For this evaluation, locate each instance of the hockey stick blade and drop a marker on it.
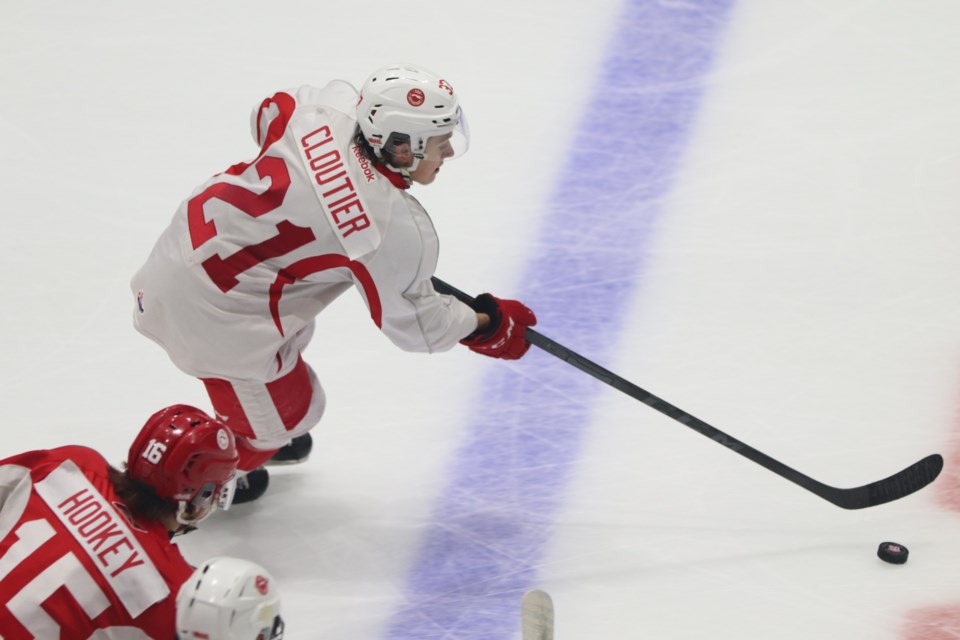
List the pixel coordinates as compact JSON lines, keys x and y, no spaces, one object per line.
{"x":899,"y":485}
{"x":903,"y":483}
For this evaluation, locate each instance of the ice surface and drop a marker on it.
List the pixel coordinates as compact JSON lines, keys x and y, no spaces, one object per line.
{"x":748,"y":208}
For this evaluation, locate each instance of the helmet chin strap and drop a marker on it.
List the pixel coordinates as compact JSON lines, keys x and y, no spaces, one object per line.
{"x":404,"y":171}
{"x":182,"y":531}
{"x":417,"y":157}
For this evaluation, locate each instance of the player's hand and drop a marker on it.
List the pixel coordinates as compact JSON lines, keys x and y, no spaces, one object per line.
{"x":505,"y":336}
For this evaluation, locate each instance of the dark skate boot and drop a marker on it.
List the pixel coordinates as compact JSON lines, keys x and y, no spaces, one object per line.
{"x":251,"y":486}
{"x":297,"y":451}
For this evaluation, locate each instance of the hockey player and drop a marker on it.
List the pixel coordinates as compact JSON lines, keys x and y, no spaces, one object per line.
{"x":229,"y":599}
{"x":85,"y":548}
{"x":232,"y":287}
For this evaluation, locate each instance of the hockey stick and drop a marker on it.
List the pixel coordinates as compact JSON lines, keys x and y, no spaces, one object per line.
{"x":900,"y":484}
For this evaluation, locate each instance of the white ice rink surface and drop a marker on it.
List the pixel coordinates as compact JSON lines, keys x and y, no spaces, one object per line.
{"x":798,"y":290}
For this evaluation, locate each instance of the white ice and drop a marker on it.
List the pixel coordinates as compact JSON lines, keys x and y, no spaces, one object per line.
{"x":801,"y":294}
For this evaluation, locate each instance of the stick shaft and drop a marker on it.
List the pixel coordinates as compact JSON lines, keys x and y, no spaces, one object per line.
{"x":892,"y":488}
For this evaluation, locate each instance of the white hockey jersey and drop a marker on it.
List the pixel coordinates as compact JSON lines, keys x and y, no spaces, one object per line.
{"x":256,"y":252}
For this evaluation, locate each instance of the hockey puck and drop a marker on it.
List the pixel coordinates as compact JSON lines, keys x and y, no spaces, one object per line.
{"x":892,"y":552}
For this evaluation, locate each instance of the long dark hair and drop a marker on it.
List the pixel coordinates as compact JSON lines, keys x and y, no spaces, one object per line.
{"x":365,"y":149}
{"x":140,"y":498}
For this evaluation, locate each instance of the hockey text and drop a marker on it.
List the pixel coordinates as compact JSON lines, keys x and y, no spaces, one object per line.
{"x":364,"y":164}
{"x":103,"y":534}
{"x":105,"y":539}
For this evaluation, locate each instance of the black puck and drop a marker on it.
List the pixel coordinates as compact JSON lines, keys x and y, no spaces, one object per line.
{"x":892,"y":552}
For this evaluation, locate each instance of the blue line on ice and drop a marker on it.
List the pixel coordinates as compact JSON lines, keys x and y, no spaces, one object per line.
{"x":494,"y":517}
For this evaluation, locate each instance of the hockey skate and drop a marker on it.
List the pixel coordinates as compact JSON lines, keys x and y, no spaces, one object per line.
{"x":251,"y":486}
{"x":298,"y":450}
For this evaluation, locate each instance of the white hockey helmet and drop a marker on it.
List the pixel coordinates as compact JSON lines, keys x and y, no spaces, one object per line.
{"x":402,"y":103}
{"x":229,"y":599}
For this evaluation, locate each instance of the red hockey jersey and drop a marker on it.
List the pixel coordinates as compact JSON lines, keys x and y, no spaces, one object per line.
{"x":74,"y":565}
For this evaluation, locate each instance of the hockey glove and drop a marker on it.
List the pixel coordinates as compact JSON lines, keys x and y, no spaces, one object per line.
{"x":505,"y":336}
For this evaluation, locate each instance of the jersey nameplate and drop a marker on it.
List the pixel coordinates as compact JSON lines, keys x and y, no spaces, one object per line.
{"x":340,"y":199}
{"x":104,"y":535}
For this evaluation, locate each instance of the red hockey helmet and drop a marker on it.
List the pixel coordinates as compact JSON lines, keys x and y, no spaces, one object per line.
{"x":185,"y":456}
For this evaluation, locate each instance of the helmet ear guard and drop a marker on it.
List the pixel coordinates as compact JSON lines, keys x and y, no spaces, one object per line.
{"x":401,"y":107}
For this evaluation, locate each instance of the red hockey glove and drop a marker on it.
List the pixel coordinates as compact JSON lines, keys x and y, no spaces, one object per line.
{"x":504,"y":337}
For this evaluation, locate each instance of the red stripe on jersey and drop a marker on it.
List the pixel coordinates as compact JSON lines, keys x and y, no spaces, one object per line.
{"x":286,"y":105}
{"x":227,"y":406}
{"x":303,"y":268}
{"x":291,"y":394}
